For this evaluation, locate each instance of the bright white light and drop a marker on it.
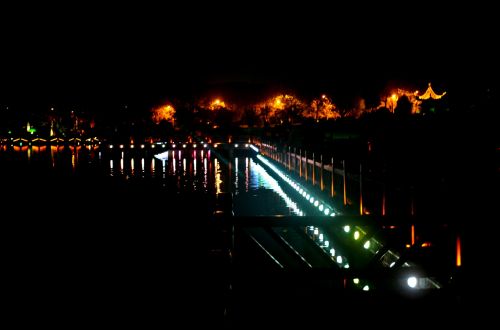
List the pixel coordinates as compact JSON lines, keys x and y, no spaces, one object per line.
{"x":316,"y":203}
{"x":316,"y":231}
{"x":246,"y":145}
{"x":327,"y":211}
{"x":311,"y":200}
{"x":274,"y":185}
{"x":347,"y":229}
{"x":366,"y":288}
{"x":327,"y":243}
{"x":236,"y":145}
{"x":346,"y":266}
{"x":304,"y":193}
{"x":321,"y":207}
{"x":308,"y":196}
{"x":321,"y":237}
{"x":392,"y":264}
{"x":173,"y":146}
{"x":254,"y":148}
{"x":366,"y":245}
{"x":204,"y":145}
{"x":332,"y":252}
{"x":131,"y":146}
{"x":184,"y":146}
{"x":121,"y":146}
{"x":339,"y":259}
{"x":356,"y":235}
{"x":333,"y":214}
{"x":162,"y":156}
{"x":142,"y":146}
{"x":412,"y":282}
{"x":194,"y":145}
{"x":110,"y":146}
{"x":355,"y":280}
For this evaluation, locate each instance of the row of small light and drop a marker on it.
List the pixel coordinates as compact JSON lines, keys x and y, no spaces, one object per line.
{"x":277,"y":188}
{"x":162,"y":145}
{"x":173,"y":145}
{"x":319,"y":237}
{"x":322,"y":207}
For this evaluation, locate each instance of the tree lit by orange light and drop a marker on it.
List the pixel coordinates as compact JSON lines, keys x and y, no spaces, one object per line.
{"x":217,"y":104}
{"x":322,"y":108}
{"x":280,"y":108}
{"x":165,"y":112}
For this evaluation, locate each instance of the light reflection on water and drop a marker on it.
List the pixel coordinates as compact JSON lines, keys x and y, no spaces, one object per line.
{"x":255,"y":191}
{"x":261,"y":194}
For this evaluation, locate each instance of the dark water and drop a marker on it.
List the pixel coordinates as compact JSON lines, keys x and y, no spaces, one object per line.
{"x":85,"y":173}
{"x":115,"y":232}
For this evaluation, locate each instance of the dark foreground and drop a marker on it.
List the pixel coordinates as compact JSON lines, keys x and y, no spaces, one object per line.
{"x":93,"y":251}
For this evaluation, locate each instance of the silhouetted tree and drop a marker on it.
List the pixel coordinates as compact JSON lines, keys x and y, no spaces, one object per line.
{"x":403,"y":109}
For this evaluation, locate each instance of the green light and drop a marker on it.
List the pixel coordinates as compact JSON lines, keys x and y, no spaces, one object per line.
{"x":32,"y":130}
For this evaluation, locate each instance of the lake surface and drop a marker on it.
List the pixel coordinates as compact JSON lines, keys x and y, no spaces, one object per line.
{"x":173,"y":172}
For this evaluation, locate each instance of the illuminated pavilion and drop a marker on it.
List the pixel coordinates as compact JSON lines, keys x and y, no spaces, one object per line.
{"x":430,"y":94}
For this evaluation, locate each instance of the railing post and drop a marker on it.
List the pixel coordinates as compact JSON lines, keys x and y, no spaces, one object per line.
{"x":294,"y":159}
{"x":305,"y":155}
{"x":289,"y":160}
{"x":300,"y":163}
{"x":313,"y":170}
{"x":345,"y":185}
{"x":332,"y":184}
{"x":360,"y":189}
{"x":321,"y":173}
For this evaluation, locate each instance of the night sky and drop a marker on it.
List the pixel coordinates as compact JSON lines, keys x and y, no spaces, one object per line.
{"x":120,"y":55}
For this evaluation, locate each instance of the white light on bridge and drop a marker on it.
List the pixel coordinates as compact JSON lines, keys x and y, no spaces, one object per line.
{"x":366,"y":288}
{"x":347,"y":229}
{"x":356,"y":235}
{"x":412,"y":282}
{"x":366,"y":245}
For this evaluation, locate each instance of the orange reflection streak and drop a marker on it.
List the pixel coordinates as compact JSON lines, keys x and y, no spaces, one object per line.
{"x":383,"y":203}
{"x":459,"y":252}
{"x":412,"y":234}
